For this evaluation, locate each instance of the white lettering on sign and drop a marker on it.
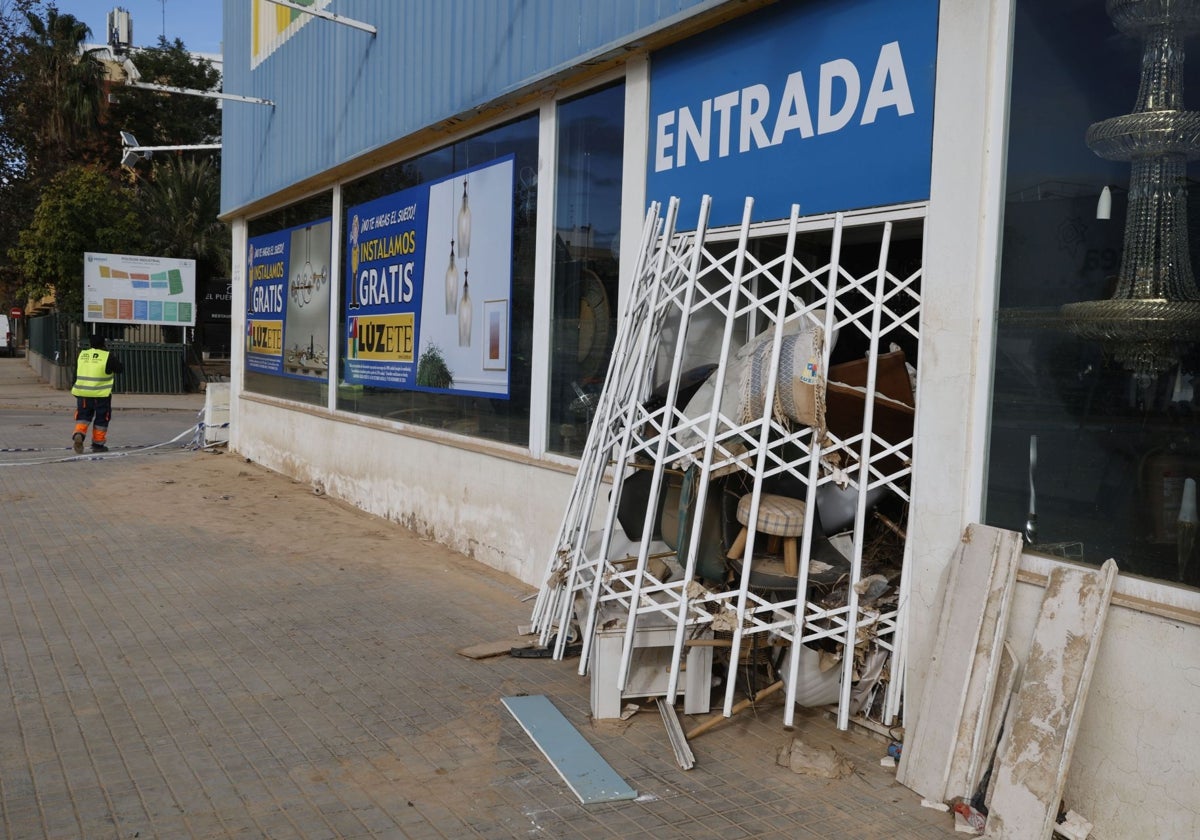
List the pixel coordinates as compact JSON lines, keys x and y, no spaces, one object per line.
{"x":687,"y":133}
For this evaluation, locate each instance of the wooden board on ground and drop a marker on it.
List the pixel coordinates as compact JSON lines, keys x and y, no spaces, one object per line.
{"x":486,"y":650}
{"x":587,"y":774}
{"x":951,"y":717}
{"x":1035,"y":751}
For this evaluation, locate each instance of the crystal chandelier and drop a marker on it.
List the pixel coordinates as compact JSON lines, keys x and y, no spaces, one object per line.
{"x":1155,"y":309}
{"x":308,"y":280}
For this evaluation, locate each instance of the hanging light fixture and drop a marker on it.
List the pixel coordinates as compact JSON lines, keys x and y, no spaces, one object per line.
{"x":451,"y":283}
{"x":464,"y":226}
{"x":464,"y":313}
{"x":1155,"y":309}
{"x":308,"y":280}
{"x":302,"y":288}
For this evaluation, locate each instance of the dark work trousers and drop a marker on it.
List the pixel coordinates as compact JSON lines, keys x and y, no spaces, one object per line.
{"x":94,"y":410}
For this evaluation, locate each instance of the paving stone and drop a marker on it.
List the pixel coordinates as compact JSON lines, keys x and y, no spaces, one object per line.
{"x":172,"y":679}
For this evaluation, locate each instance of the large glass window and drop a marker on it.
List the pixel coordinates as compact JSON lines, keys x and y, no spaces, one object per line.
{"x":1094,"y":439}
{"x":287,"y":294}
{"x":591,"y":131}
{"x":455,"y":353}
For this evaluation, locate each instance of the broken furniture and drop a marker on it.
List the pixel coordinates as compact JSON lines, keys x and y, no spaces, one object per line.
{"x":758,"y":417}
{"x":779,"y":517}
{"x":650,"y":665}
{"x":1039,"y":732}
{"x":942,"y":752}
{"x":587,"y":774}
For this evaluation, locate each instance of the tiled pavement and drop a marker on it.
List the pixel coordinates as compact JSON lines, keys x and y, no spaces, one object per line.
{"x":179,"y":666}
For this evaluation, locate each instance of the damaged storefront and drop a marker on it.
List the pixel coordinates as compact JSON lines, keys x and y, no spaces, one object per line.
{"x":802,"y":354}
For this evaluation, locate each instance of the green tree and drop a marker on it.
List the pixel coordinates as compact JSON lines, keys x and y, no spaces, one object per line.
{"x":156,"y":118}
{"x":17,"y":194}
{"x":179,"y":210}
{"x":57,"y":95}
{"x":81,"y":209}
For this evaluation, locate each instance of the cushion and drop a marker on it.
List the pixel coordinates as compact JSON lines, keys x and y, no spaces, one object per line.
{"x":778,"y":516}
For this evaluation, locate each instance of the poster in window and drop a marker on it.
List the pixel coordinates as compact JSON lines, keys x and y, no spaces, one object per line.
{"x":287,"y":301}
{"x":495,"y":331}
{"x":427,"y":263}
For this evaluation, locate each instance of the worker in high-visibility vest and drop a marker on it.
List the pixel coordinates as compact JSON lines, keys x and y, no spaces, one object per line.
{"x":94,"y":372}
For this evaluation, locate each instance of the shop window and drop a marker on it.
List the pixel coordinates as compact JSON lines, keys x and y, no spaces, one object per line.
{"x":1093,"y":433}
{"x":287,"y":301}
{"x":438,"y":331}
{"x":591,"y":130}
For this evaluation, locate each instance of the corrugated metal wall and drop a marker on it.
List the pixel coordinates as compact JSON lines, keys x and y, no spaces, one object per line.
{"x":340,"y":92}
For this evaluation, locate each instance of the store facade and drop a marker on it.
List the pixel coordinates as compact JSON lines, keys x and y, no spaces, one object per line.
{"x":439,"y":227}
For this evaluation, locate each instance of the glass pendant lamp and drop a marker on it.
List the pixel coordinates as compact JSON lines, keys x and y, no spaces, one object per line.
{"x":464,"y":226}
{"x":451,"y":283}
{"x":464,"y":313}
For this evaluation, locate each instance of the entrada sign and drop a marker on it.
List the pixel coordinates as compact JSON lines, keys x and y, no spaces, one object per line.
{"x":826,"y":104}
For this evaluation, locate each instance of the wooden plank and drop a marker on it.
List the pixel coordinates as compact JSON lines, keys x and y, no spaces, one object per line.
{"x":486,"y":650}
{"x":587,"y":774}
{"x":982,"y":681}
{"x":684,"y":756}
{"x":966,"y":656}
{"x":1005,"y":682}
{"x":1035,"y":753}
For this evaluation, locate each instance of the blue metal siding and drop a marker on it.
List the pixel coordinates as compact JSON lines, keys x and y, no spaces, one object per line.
{"x":338,"y":92}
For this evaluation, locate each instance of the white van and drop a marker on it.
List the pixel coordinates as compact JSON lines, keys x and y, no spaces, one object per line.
{"x":9,"y":345}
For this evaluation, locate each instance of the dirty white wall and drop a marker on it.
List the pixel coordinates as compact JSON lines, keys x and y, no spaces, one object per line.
{"x":502,"y":511}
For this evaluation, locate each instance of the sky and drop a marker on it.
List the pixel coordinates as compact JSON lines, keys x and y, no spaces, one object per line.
{"x":195,"y":22}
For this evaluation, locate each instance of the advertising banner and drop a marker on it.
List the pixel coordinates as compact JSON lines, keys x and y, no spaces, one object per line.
{"x":271,"y":25}
{"x":827,"y":104}
{"x":431,"y":282}
{"x":127,"y":289}
{"x":287,"y":300}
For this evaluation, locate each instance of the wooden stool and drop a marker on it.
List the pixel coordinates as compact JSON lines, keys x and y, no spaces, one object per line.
{"x":780,"y":518}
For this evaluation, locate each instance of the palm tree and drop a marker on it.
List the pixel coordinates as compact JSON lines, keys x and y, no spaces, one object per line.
{"x":62,"y":90}
{"x":180,"y":207}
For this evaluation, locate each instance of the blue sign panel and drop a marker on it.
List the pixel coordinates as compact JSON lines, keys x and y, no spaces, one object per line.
{"x":287,"y":296}
{"x":827,"y":104}
{"x":427,"y":306}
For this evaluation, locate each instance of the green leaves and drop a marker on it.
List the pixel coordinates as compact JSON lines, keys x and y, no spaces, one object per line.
{"x":80,"y":210}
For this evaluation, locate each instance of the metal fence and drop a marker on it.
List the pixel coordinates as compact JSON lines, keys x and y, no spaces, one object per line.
{"x":155,"y":358}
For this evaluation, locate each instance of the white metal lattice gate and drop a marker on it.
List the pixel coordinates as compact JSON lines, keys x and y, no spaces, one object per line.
{"x":681,"y":281}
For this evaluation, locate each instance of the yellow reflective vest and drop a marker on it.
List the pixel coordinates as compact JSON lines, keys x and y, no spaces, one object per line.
{"x":90,"y":378}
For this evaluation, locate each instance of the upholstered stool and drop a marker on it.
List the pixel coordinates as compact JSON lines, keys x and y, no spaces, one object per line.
{"x":780,"y":518}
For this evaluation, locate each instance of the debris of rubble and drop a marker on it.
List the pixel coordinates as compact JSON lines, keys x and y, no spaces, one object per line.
{"x":822,"y":762}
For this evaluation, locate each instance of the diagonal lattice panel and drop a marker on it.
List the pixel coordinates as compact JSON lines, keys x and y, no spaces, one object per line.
{"x":753,"y":313}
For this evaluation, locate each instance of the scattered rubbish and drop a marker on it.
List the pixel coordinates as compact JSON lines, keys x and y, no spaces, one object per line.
{"x":936,"y":806}
{"x":737,"y":707}
{"x":587,"y":774}
{"x":630,"y":710}
{"x":822,"y":762}
{"x":887,"y":761}
{"x":872,"y":587}
{"x":486,"y":650}
{"x":683,"y":753}
{"x":895,"y":749}
{"x":1073,"y":826}
{"x":531,"y":651}
{"x":967,"y":819}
